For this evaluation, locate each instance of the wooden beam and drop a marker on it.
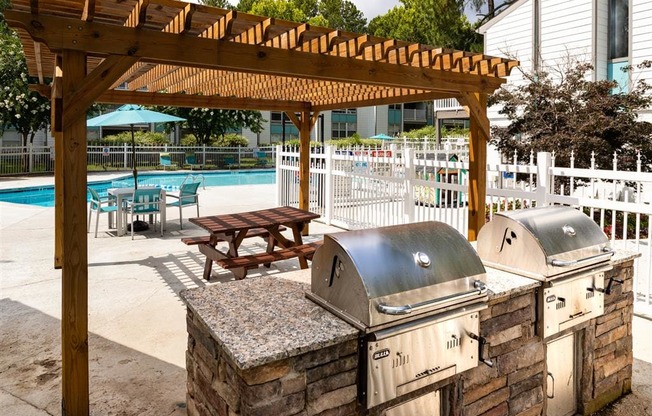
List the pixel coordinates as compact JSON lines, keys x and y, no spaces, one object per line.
{"x":477,"y":165}
{"x":154,"y":46}
{"x":39,"y":63}
{"x":88,"y":14}
{"x":476,"y":110}
{"x":138,"y":14}
{"x":294,"y":119}
{"x":56,"y":125}
{"x":304,"y":163}
{"x":90,"y":87}
{"x":205,"y":101}
{"x":44,"y":90}
{"x":74,"y":314}
{"x":428,"y":96}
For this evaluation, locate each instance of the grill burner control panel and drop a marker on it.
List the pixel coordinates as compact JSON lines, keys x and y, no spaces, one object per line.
{"x":411,"y":356}
{"x":567,"y":303}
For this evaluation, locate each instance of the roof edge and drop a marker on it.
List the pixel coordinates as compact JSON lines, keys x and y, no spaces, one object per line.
{"x":482,"y":29}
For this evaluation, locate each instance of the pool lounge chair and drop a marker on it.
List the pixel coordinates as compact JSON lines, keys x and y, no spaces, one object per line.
{"x":191,"y":161}
{"x":165,"y":160}
{"x":230,"y":162}
{"x":261,"y":159}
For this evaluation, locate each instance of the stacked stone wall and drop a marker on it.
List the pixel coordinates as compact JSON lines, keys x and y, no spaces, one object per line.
{"x":320,"y":383}
{"x":324,"y":382}
{"x":514,"y":385}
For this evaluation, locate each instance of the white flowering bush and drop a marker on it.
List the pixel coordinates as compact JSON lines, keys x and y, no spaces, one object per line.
{"x":20,"y":108}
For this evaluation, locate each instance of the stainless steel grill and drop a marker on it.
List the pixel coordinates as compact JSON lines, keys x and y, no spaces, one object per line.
{"x":415,"y":292}
{"x":559,"y":246}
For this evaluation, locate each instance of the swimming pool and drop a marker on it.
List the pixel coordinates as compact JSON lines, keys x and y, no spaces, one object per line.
{"x":44,"y":195}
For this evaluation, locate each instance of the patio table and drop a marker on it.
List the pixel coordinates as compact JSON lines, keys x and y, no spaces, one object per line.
{"x":121,"y":194}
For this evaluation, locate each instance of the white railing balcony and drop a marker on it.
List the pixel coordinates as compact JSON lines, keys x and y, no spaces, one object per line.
{"x":447,"y":104}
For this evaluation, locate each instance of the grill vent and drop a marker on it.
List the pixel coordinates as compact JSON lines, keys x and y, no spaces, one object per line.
{"x":561,"y":304}
{"x":400,"y":360}
{"x":453,"y":343}
{"x":589,"y":295}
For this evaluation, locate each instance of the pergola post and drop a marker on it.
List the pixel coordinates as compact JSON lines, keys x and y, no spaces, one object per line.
{"x":74,"y":314}
{"x":56,"y":122}
{"x":478,"y":137}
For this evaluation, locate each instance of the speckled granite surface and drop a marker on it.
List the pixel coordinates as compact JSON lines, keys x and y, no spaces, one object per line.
{"x":265,"y":319}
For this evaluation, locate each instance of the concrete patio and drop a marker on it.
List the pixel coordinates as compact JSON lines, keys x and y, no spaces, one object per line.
{"x":137,"y":327}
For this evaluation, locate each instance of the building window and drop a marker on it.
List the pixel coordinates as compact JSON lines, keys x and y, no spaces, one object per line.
{"x":618,"y":29}
{"x":276,"y":128}
{"x":344,"y":123}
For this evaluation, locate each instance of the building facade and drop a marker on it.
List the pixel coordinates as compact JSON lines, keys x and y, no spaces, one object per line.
{"x":610,"y":34}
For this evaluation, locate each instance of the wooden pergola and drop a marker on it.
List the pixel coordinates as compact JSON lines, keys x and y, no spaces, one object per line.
{"x":174,"y":53}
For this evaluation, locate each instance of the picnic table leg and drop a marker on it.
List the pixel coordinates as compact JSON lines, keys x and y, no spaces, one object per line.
{"x":208,"y":269}
{"x":271,"y":243}
{"x":298,"y":240}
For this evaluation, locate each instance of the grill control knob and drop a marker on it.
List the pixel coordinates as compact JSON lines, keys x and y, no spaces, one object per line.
{"x":422,"y":259}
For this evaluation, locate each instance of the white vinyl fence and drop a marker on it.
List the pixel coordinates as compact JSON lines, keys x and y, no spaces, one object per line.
{"x":31,"y":159}
{"x":364,"y":188}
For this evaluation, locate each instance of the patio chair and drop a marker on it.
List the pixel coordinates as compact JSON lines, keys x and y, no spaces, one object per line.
{"x":146,"y":201}
{"x":165,"y":160}
{"x":99,"y":205}
{"x":186,"y":197}
{"x":191,"y":160}
{"x":261,"y":159}
{"x":229,"y":161}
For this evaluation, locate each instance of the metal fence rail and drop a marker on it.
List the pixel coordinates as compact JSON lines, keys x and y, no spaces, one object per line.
{"x":15,"y":160}
{"x":363,"y":188}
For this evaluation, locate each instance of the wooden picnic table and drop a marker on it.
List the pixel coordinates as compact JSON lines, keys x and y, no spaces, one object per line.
{"x":266,"y":223}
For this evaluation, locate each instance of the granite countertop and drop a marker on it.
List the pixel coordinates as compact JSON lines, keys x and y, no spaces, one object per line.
{"x":265,"y":319}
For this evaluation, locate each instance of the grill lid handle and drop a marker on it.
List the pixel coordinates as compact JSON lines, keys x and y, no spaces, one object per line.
{"x":480,"y":289}
{"x":565,"y":263}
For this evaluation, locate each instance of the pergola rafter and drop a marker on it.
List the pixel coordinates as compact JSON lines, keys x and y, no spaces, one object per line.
{"x":174,"y":53}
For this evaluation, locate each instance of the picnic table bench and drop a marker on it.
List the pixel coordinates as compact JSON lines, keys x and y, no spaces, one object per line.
{"x":266,"y":223}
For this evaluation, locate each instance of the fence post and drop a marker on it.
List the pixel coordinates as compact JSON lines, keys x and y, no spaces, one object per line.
{"x":124,"y":155}
{"x":203,"y":154}
{"x":281,"y":187}
{"x":328,"y":192}
{"x":30,"y":155}
{"x":410,"y":174}
{"x":543,"y":178}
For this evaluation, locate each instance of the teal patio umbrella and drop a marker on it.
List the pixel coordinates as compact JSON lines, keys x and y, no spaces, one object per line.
{"x":382,"y":136}
{"x":130,"y":114}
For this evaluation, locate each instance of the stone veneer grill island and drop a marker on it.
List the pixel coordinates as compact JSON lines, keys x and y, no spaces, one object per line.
{"x":259,"y":347}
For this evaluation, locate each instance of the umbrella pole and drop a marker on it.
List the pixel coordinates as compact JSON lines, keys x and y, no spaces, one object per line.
{"x":137,"y":225}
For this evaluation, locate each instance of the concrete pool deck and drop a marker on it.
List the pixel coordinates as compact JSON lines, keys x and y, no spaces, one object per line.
{"x":137,"y":327}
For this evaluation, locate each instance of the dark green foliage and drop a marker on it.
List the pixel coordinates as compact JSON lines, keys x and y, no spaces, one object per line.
{"x":140,"y":137}
{"x":575,"y":115}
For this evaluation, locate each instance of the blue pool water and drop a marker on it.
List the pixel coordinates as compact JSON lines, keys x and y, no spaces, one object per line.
{"x":44,"y":195}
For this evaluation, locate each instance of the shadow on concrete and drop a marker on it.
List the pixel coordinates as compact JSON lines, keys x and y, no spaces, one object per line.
{"x":123,"y":381}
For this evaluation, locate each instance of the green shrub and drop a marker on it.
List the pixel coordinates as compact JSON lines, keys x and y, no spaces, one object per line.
{"x":231,"y":140}
{"x":455,"y":132}
{"x":188,"y":140}
{"x":140,"y":137}
{"x":419,"y":134}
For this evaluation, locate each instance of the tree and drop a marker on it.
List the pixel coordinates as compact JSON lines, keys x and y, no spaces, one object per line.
{"x":281,"y":9}
{"x":343,"y":15}
{"x":431,"y":22}
{"x":572,"y":113}
{"x":206,"y":123}
{"x":20,"y":108}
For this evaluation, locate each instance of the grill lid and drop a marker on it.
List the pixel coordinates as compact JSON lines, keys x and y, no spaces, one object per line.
{"x":375,"y":276}
{"x":543,"y":242}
